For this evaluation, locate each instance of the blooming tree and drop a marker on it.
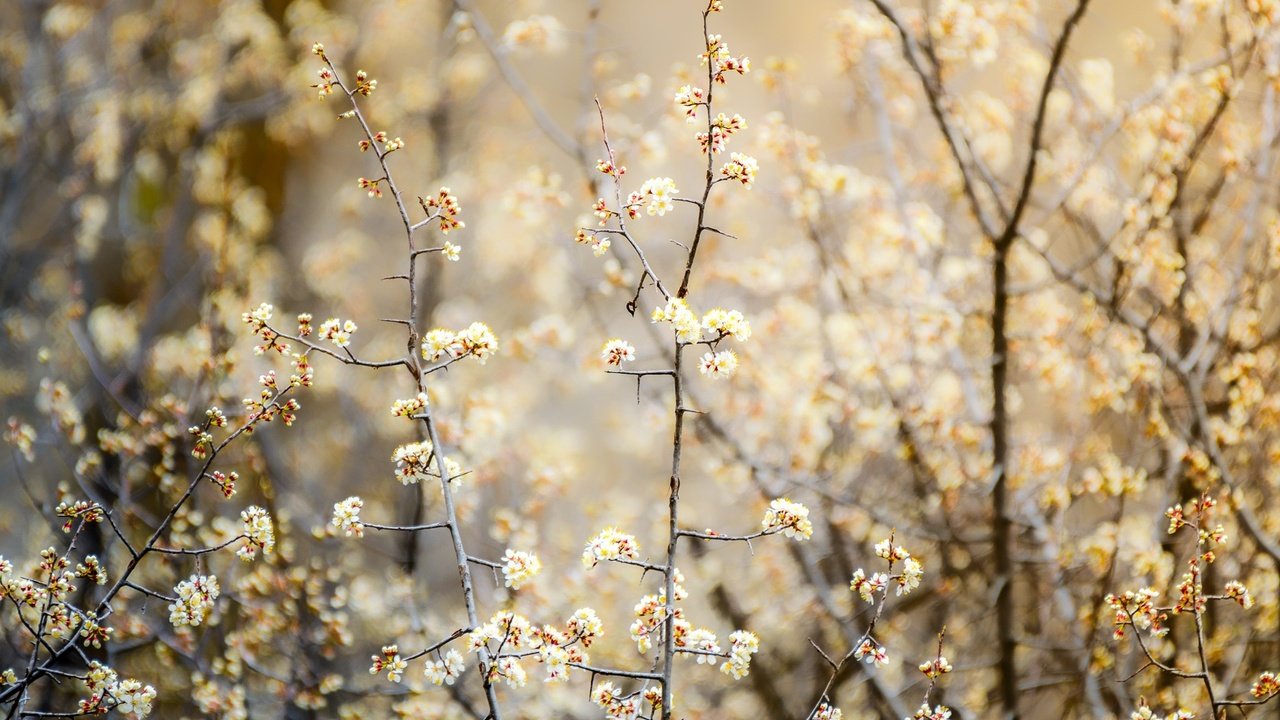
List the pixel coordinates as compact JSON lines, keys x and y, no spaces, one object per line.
{"x":868,"y":385}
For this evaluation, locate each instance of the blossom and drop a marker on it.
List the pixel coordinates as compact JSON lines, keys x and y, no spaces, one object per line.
{"x":443,"y":207}
{"x":390,"y":661}
{"x":872,"y":652}
{"x":690,"y":98}
{"x":225,"y":481}
{"x":893,"y":553}
{"x":337,"y":332}
{"x":610,"y":544}
{"x":727,"y":323}
{"x":413,"y":462}
{"x":556,"y":659}
{"x":476,"y":340}
{"x":935,"y":668}
{"x":91,"y":568}
{"x":742,"y":168}
{"x":481,"y":636}
{"x":1236,"y":590}
{"x":446,"y":670}
{"x":868,"y":587}
{"x":373,"y":186}
{"x":687,"y":326}
{"x":789,"y":518}
{"x":702,"y":641}
{"x":1266,"y":685}
{"x":258,"y":532}
{"x":364,"y":85}
{"x":411,"y":407}
{"x":617,"y":351}
{"x":509,"y":669}
{"x":132,"y":697}
{"x":196,"y":597}
{"x":719,"y":364}
{"x":608,"y":167}
{"x":346,"y":516}
{"x":599,"y":245}
{"x":616,"y":706}
{"x":1137,"y":609}
{"x":327,"y":82}
{"x":519,"y":567}
{"x":743,"y":645}
{"x":451,"y":252}
{"x":828,"y":712}
{"x":721,"y":60}
{"x":909,"y":580}
{"x":657,"y":193}
{"x":586,"y":625}
{"x":722,"y":128}
{"x":937,"y":712}
{"x":440,"y":342}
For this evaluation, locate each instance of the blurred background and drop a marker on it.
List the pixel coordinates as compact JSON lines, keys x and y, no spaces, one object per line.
{"x":166,"y":166}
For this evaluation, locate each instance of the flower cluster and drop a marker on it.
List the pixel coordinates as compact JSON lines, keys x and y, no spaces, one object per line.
{"x":346,"y":516}
{"x":259,"y":533}
{"x":411,"y":407}
{"x":828,"y":712}
{"x":519,"y":567}
{"x":373,"y":187}
{"x":610,"y":544}
{"x":390,"y":661}
{"x":616,"y":706}
{"x":721,"y":364}
{"x":226,"y":482}
{"x":196,"y":597}
{"x":415,"y":462}
{"x":657,"y":195}
{"x":742,"y":645}
{"x":691,"y":98}
{"x":617,"y":351}
{"x":337,"y":332}
{"x":702,"y":644}
{"x":789,"y":518}
{"x":716,"y":140}
{"x":327,"y":83}
{"x":937,"y":712}
{"x":585,"y":625}
{"x":1265,"y":686}
{"x":936,"y":667}
{"x":741,"y":167}
{"x":444,"y":208}
{"x":721,"y":60}
{"x":107,"y":692}
{"x":687,"y":326}
{"x":82,"y":510}
{"x":257,"y":320}
{"x":599,"y":245}
{"x":873,"y":652}
{"x":1137,"y":610}
{"x":90,"y":568}
{"x":476,"y":340}
{"x":445,"y":671}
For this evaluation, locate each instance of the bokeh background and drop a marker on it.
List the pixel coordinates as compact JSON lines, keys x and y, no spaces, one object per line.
{"x":167,"y":166}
